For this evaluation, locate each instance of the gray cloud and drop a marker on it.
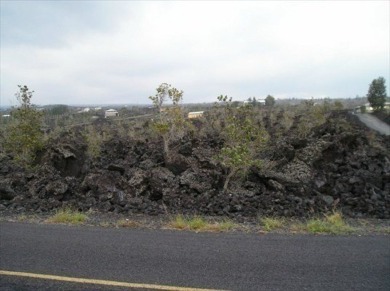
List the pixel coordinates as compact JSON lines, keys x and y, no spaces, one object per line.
{"x":119,"y":52}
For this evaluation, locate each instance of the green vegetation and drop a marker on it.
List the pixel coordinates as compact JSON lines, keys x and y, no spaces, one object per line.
{"x":178,"y":222}
{"x":68,"y":215}
{"x":384,"y":229}
{"x":225,"y":225}
{"x":23,"y":135}
{"x":94,"y":140}
{"x":198,"y":223}
{"x":243,"y":138}
{"x":170,"y":123}
{"x":269,"y":101}
{"x":272,"y":223}
{"x":377,"y":94}
{"x":330,"y":224}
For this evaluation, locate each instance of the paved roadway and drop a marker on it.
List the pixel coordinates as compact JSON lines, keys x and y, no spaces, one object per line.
{"x":232,"y":261}
{"x":374,"y":123}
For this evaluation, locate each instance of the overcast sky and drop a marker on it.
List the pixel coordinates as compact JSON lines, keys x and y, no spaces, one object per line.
{"x":105,"y":52}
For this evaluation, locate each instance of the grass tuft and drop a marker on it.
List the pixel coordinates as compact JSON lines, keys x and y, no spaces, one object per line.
{"x":198,"y":223}
{"x":332,"y":224}
{"x":227,"y":225}
{"x":68,"y":215}
{"x":384,"y":229}
{"x":272,"y":223}
{"x":179,"y":222}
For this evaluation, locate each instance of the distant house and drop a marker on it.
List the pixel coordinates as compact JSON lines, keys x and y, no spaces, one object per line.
{"x":84,"y":110}
{"x":258,"y":101}
{"x":111,"y":113}
{"x":367,"y":107}
{"x":196,"y":114}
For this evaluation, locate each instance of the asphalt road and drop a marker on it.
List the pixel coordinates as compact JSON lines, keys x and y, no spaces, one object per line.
{"x":232,"y":261}
{"x":374,"y":123}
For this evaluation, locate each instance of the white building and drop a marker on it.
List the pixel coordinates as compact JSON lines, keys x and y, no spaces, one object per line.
{"x":110,"y":113}
{"x":195,"y":114}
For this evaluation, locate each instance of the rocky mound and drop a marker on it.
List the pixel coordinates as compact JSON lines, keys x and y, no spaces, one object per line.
{"x":339,"y":165}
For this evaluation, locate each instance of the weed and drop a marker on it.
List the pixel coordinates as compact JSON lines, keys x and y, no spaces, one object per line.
{"x":272,"y":223}
{"x":68,"y":215}
{"x":198,"y":223}
{"x":22,"y":217}
{"x":179,"y":222}
{"x":227,"y":225}
{"x":317,"y":225}
{"x":384,"y":229}
{"x":297,"y":226}
{"x":333,"y":224}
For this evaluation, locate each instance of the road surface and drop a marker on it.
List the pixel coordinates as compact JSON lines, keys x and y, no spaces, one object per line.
{"x":155,"y":259}
{"x":374,"y":123}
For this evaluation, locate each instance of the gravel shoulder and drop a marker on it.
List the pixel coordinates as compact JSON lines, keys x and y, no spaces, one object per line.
{"x":366,"y":226}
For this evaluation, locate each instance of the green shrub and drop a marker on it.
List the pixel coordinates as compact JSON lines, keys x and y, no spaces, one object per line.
{"x":95,"y":140}
{"x":23,"y":134}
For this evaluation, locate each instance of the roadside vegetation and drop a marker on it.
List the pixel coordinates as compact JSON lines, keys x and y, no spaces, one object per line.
{"x":330,"y":224}
{"x":200,"y":224}
{"x":272,"y":223}
{"x":252,"y":156}
{"x":23,"y":135}
{"x":68,"y":216}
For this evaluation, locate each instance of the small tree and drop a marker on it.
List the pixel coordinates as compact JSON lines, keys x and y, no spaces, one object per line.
{"x":242,"y":138}
{"x":170,"y":122}
{"x":269,"y":101}
{"x":23,"y":135}
{"x":95,"y":140}
{"x":377,"y":94}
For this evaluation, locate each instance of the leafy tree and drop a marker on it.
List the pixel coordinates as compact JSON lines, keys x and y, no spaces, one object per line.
{"x":338,"y":105}
{"x":242,"y":138}
{"x":254,"y":101}
{"x":377,"y":94}
{"x":23,"y":137}
{"x":269,"y":101}
{"x":170,"y":122}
